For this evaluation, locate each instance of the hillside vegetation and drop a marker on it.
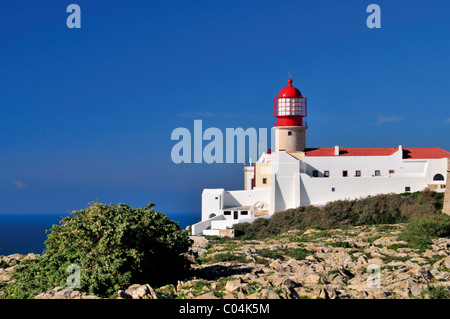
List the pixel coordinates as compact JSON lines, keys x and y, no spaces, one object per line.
{"x":372,"y":210}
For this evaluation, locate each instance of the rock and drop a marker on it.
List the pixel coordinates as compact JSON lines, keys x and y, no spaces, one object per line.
{"x":384,"y":241}
{"x":346,"y":273}
{"x":416,"y":290}
{"x":362,"y":260}
{"x":323,"y":294}
{"x":233,"y":286}
{"x":339,"y":280}
{"x":447,"y":262}
{"x":269,"y":294}
{"x":289,"y":284}
{"x":276,"y":279}
{"x":422,"y":273}
{"x":311,"y":279}
{"x":310,"y":231}
{"x":208,"y":295}
{"x":199,"y":241}
{"x":376,"y":254}
{"x":256,"y":295}
{"x":263,"y":281}
{"x":121,"y":294}
{"x":246,"y":288}
{"x":30,"y":256}
{"x":240,"y":295}
{"x":66,"y":293}
{"x":137,"y":291}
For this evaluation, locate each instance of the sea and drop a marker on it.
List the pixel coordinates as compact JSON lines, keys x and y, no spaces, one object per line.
{"x":25,"y":234}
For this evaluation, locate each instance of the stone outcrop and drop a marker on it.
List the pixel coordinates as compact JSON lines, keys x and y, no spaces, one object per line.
{"x":358,"y":263}
{"x":366,"y":262}
{"x":65,"y":293}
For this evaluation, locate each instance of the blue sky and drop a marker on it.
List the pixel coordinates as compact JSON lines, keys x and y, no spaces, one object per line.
{"x":87,"y":114}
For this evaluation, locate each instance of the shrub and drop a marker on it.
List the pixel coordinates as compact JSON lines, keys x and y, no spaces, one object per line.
{"x":298,"y":253}
{"x":269,"y":253}
{"x":371,"y":210}
{"x":229,"y":256}
{"x":439,"y":292}
{"x":418,"y":233}
{"x":114,"y":246}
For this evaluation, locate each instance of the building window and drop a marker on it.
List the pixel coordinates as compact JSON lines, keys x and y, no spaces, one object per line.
{"x":227,"y":212}
{"x":216,"y":198}
{"x":289,"y":133}
{"x":326,"y":173}
{"x":377,"y":173}
{"x":358,"y":173}
{"x":333,"y":189}
{"x":391,"y":171}
{"x":315,"y":173}
{"x":407,"y":189}
{"x":264,"y":181}
{"x":438,"y":177}
{"x":244,"y":212}
{"x":344,"y":173}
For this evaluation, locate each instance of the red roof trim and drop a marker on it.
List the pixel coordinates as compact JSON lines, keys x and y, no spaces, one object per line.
{"x":408,"y":153}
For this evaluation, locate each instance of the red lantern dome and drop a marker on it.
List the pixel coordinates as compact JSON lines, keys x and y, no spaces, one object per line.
{"x":289,"y":91}
{"x":290,"y":106}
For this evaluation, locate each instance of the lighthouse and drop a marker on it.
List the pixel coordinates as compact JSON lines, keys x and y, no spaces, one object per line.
{"x":290,"y":109}
{"x":291,"y":175}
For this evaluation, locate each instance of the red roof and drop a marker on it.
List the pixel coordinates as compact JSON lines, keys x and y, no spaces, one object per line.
{"x":289,"y":91}
{"x":434,"y":152}
{"x":421,"y":153}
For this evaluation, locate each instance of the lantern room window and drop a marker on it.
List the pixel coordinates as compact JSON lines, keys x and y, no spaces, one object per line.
{"x":290,"y":106}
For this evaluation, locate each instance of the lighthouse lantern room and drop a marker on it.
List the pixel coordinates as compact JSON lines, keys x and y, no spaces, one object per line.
{"x":290,"y":106}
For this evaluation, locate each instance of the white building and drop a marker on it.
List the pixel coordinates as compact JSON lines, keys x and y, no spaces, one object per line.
{"x":293,"y":175}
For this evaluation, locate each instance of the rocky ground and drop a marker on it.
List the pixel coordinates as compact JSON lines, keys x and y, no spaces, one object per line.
{"x":358,"y":263}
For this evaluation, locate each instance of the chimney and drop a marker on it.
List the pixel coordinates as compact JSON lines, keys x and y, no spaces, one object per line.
{"x":336,"y":150}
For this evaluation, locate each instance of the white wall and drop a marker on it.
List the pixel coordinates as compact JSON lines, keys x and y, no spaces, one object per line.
{"x":200,"y":227}
{"x":224,"y":224}
{"x":366,"y":164}
{"x":436,"y":166}
{"x":212,"y":202}
{"x":315,"y":191}
{"x":247,"y":198}
{"x":284,"y":170}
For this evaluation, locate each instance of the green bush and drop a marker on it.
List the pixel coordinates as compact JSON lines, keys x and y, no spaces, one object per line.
{"x":439,"y":292}
{"x":371,"y":210}
{"x":114,"y":246}
{"x":298,"y":253}
{"x":229,"y":256}
{"x":419,"y":233}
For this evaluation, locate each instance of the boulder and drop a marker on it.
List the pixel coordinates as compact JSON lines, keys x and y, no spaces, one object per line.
{"x":208,"y":295}
{"x":311,"y":279}
{"x":246,"y":288}
{"x":233,"y":286}
{"x":269,"y":294}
